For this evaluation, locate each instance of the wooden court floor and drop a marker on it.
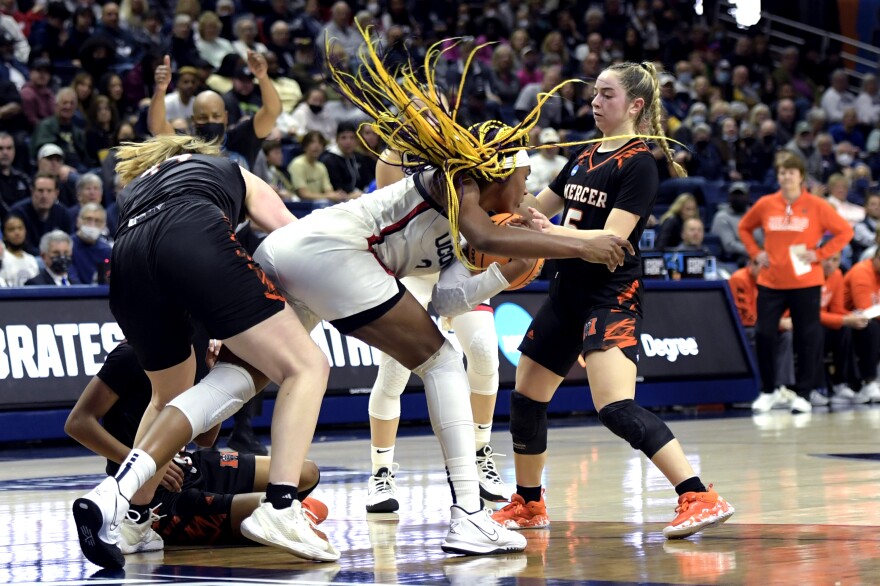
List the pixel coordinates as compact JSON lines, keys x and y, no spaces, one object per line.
{"x":806,"y":489}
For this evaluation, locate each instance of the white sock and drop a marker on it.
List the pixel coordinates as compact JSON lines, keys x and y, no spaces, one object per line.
{"x":137,"y":468}
{"x":465,"y":489}
{"x":381,"y":458}
{"x":482,"y":433}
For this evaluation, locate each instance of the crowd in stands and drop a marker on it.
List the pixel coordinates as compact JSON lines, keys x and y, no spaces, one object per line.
{"x":77,"y":78}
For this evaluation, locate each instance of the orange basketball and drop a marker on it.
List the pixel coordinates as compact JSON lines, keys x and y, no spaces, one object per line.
{"x":483,"y":260}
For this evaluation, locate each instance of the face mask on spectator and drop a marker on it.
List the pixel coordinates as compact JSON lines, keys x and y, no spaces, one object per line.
{"x":739,"y":205}
{"x":769,"y":139}
{"x":210,"y":131}
{"x":316,"y":108}
{"x":685,"y":78}
{"x":844,"y":159}
{"x":60,"y":264}
{"x":697,"y":119}
{"x":90,"y":233}
{"x":722,"y":77}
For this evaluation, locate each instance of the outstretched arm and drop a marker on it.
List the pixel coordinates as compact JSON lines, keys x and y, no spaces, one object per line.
{"x":156,"y":120}
{"x":264,"y":119}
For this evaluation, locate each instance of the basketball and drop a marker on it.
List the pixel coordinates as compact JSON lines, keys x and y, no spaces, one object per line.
{"x":483,"y":260}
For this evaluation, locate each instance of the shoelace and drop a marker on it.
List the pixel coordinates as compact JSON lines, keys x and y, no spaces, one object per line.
{"x":686,"y":499}
{"x":385,"y":482}
{"x":135,"y":517}
{"x":487,"y":465}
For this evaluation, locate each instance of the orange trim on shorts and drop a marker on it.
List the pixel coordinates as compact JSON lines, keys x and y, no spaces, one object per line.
{"x":620,"y":334}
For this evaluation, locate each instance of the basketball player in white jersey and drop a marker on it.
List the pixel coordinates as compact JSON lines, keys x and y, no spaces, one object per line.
{"x":475,"y":330}
{"x":342,"y":263}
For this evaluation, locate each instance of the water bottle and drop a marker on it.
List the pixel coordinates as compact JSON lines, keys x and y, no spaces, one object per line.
{"x":710,"y":270}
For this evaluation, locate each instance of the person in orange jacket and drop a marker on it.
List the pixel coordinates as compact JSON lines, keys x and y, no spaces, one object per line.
{"x":839,"y":324}
{"x":791,"y":277}
{"x":861,"y":292}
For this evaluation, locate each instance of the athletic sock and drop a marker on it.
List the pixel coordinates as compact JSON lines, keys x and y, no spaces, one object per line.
{"x":530,"y":494}
{"x":692,"y":484}
{"x":281,"y":495}
{"x":381,"y":458}
{"x":482,"y":433}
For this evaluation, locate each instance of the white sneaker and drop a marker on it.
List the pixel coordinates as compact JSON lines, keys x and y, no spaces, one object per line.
{"x":97,"y":516}
{"x":817,"y":399}
{"x":136,"y":537}
{"x":842,"y":394}
{"x":870,"y":392}
{"x":492,"y":487}
{"x":479,"y":534}
{"x":796,"y":403}
{"x":382,"y":491}
{"x":768,"y":401}
{"x":290,"y":530}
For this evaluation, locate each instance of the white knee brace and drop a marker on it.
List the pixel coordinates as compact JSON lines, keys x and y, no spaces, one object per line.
{"x":475,"y":331}
{"x":390,"y":384}
{"x":217,"y":396}
{"x":446,"y":390}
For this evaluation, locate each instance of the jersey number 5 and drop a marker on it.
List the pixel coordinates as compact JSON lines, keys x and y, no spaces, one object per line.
{"x":572,"y":217}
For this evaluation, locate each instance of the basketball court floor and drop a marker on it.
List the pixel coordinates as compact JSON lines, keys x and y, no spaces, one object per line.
{"x":806,"y":490}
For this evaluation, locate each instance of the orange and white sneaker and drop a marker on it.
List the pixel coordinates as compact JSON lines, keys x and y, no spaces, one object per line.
{"x":522,"y":515}
{"x":698,"y":511}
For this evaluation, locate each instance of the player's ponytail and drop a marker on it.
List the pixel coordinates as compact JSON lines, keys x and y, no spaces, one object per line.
{"x":640,"y":81}
{"x":135,"y":158}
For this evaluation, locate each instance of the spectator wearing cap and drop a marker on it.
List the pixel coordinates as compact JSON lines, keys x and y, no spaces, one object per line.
{"x":50,"y":159}
{"x":802,"y":143}
{"x":477,"y":105}
{"x":307,"y":68}
{"x":210,"y":45}
{"x":725,"y":223}
{"x":350,"y":171}
{"x":221,"y":80}
{"x":246,"y":37}
{"x":210,"y":119}
{"x":868,"y":101}
{"x":38,"y":99}
{"x":676,"y":103}
{"x":242,"y":101}
{"x":60,"y":130}
{"x":14,"y":185}
{"x":529,"y":72}
{"x":179,"y":103}
{"x":42,"y":213}
{"x":310,"y":116}
{"x":546,"y":163}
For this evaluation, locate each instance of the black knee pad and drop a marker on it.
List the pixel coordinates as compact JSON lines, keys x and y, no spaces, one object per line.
{"x":528,"y":424}
{"x":642,"y":429}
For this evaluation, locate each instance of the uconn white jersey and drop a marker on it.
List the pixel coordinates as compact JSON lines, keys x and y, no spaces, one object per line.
{"x":409,"y":231}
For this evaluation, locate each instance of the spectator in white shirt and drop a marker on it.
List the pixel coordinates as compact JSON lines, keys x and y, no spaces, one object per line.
{"x":246,"y":33}
{"x":868,"y":101}
{"x":838,"y":188}
{"x":210,"y":45}
{"x":179,"y":103}
{"x":547,"y":164}
{"x":837,"y":98}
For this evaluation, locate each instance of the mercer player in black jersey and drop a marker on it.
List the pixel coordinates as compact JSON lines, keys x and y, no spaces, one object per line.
{"x":176,"y":257}
{"x":606,"y":188}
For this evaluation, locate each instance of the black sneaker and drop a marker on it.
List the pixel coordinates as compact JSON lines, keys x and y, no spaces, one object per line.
{"x":245,"y":442}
